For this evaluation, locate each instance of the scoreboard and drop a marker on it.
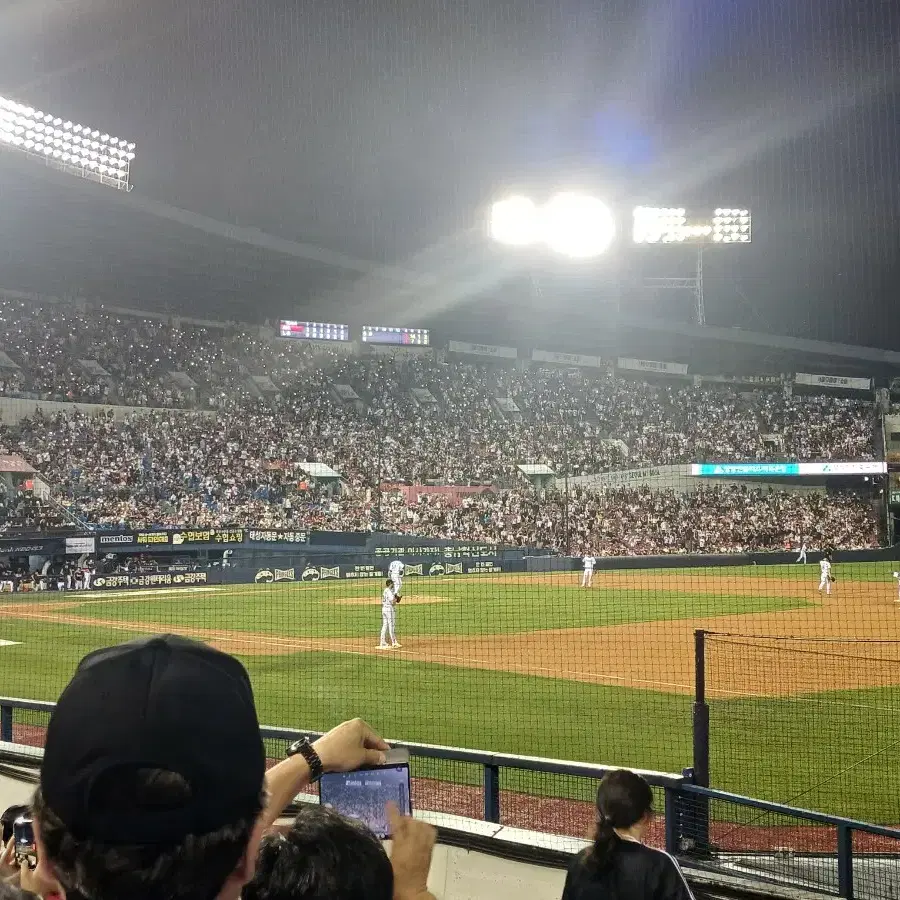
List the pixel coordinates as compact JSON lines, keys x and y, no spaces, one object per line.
{"x":382,"y":334}
{"x":313,"y":331}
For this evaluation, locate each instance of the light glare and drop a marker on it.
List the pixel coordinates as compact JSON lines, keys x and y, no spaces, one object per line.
{"x":578,"y":225}
{"x":514,"y":221}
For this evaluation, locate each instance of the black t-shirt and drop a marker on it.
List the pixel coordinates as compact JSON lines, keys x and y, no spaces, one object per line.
{"x":634,"y":872}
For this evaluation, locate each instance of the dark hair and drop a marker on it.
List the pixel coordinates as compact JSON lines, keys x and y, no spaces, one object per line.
{"x":623,"y":799}
{"x":389,"y":581}
{"x":323,"y":856}
{"x":11,"y":892}
{"x":8,"y":818}
{"x":194,"y":868}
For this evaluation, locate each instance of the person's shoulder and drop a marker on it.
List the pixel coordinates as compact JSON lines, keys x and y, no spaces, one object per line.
{"x":580,"y":867}
{"x":663,"y":863}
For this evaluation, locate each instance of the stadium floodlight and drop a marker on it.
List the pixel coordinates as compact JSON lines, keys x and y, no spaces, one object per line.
{"x":571,"y":224}
{"x":731,"y":226}
{"x":578,"y":225}
{"x":668,"y":225}
{"x":515,"y":222}
{"x":66,"y":145}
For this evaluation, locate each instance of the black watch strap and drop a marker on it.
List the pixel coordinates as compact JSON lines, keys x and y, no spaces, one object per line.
{"x":308,"y":752}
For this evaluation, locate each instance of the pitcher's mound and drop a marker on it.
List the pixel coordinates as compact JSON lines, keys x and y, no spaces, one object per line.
{"x":416,"y":600}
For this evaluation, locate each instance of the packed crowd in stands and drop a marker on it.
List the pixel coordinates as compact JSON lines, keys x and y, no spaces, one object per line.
{"x":235,"y":457}
{"x":23,"y":511}
{"x":69,"y":352}
{"x":640,"y":521}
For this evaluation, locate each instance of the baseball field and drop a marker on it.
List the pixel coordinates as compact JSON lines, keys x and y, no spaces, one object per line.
{"x":804,"y":688}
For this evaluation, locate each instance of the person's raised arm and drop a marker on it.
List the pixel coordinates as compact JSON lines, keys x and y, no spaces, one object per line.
{"x":351,"y":745}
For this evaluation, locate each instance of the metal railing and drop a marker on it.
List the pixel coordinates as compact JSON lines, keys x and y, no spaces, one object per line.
{"x":684,"y":799}
{"x":845,"y":828}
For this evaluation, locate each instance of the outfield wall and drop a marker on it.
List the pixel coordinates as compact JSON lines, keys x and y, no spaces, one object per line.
{"x":286,"y":568}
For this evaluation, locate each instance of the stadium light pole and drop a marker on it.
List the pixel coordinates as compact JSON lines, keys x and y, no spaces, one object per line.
{"x":724,"y":227}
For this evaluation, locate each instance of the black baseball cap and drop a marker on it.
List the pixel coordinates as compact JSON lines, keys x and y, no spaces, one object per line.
{"x":161,"y":702}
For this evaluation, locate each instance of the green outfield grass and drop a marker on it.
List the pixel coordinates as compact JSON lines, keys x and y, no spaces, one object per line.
{"x":783,"y":750}
{"x":470,"y":607}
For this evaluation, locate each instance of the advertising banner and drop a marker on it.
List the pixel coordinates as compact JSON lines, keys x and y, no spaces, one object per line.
{"x":659,"y":477}
{"x":652,"y":365}
{"x":483,"y":350}
{"x":788,"y":469}
{"x":567,"y":359}
{"x":314,"y":572}
{"x":745,"y":469}
{"x":463,"y":551}
{"x":169,"y":538}
{"x":277,"y":536}
{"x":834,"y":381}
{"x":273,"y":574}
{"x":762,"y":381}
{"x":843,"y":468}
{"x":76,"y":546}
{"x":125,"y":581}
{"x":30,"y":546}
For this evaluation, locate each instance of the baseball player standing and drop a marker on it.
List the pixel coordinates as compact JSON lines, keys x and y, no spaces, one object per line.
{"x":897,"y":576}
{"x":802,"y":557}
{"x":396,"y":571}
{"x":389,"y":600}
{"x":589,"y":563}
{"x":826,"y":579}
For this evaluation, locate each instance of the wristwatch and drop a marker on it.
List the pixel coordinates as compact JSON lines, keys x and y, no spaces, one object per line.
{"x":308,"y":752}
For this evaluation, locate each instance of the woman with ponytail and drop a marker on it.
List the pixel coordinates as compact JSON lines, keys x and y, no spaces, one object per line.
{"x":618,"y":866}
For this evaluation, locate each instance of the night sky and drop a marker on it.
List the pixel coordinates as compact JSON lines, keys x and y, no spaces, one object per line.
{"x":381,"y":130}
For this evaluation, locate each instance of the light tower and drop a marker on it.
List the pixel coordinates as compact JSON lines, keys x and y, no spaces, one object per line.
{"x":724,"y":227}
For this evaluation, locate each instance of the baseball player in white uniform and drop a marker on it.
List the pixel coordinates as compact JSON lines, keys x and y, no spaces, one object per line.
{"x":825,"y":569}
{"x":389,"y":601}
{"x":897,"y":576}
{"x":589,"y":563}
{"x":395,"y":573}
{"x":802,"y":557}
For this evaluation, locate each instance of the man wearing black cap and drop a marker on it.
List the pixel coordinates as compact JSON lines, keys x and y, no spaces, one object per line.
{"x":153,"y":783}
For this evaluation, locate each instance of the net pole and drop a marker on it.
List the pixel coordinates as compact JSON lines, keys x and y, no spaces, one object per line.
{"x":700,"y":743}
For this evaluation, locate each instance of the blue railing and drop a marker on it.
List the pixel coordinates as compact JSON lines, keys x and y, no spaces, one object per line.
{"x":683,"y":798}
{"x":845,"y":827}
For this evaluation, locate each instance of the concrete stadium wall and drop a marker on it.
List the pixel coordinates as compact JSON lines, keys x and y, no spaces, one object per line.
{"x":13,"y":409}
{"x":676,"y":478}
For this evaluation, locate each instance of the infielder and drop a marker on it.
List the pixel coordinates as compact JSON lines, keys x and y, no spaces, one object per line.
{"x":396,"y":571}
{"x":897,"y":576}
{"x":389,"y":599}
{"x":802,"y":557}
{"x":826,"y":579}
{"x":589,"y":563}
